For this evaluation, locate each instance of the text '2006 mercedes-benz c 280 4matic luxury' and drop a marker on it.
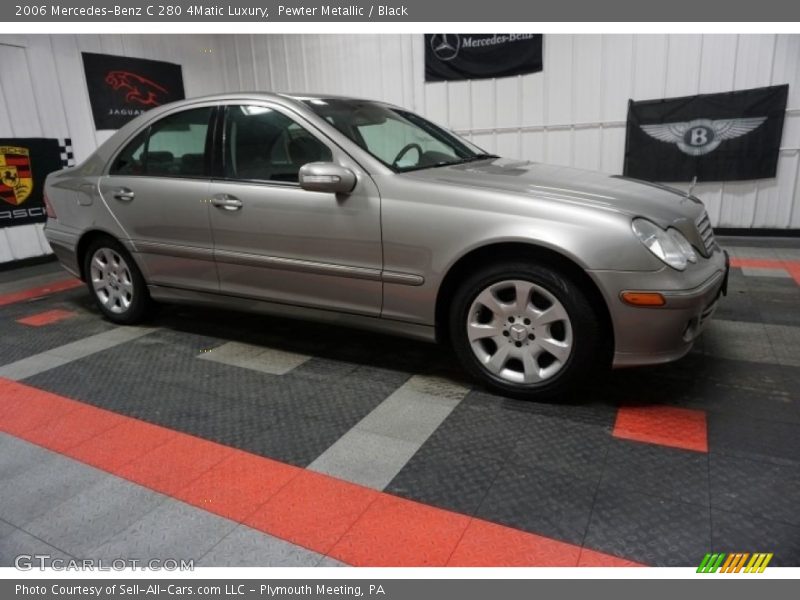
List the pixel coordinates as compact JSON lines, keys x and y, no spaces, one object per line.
{"x":365,"y":214}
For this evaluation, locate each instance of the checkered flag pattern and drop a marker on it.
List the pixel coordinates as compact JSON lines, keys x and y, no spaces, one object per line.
{"x":67,"y":156}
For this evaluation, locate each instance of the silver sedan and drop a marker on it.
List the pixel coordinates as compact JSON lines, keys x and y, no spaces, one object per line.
{"x":365,"y":214}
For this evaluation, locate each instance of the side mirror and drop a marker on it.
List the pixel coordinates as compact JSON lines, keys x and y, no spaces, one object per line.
{"x":326,"y":177}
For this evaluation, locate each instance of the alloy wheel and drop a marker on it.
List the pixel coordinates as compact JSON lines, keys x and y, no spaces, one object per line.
{"x":519,"y":331}
{"x":111,"y":280}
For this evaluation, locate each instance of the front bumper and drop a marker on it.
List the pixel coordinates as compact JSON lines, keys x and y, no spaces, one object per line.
{"x":654,"y":335}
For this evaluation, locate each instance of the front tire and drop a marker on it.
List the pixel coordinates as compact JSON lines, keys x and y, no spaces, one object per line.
{"x":115,"y":282}
{"x":525,"y":331}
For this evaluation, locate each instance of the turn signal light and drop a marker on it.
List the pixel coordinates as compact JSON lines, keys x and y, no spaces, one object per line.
{"x":643,"y":298}
{"x":48,"y":208}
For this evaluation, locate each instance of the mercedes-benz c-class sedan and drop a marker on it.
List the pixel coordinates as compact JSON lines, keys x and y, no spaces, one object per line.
{"x":365,"y":214}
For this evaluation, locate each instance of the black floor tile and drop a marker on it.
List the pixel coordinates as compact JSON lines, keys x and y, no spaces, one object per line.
{"x":657,"y":470}
{"x":649,"y":529}
{"x":737,"y":532}
{"x":455,"y":480}
{"x":752,"y":437}
{"x":768,"y":490}
{"x":565,"y":446}
{"x":743,"y":403}
{"x":548,"y":503}
{"x":738,"y":305}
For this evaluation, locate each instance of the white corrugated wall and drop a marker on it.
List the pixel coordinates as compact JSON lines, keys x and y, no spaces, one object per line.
{"x":43,"y":94}
{"x":571,"y":113}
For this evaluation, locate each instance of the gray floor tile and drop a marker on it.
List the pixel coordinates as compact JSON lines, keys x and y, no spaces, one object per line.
{"x":19,"y":543}
{"x":246,"y":547}
{"x":6,"y":528}
{"x":173,"y":530}
{"x":762,"y":272}
{"x":365,"y":458}
{"x":95,"y":515}
{"x":18,"y":456}
{"x":738,"y":340}
{"x":33,"y":492}
{"x":331,"y":562}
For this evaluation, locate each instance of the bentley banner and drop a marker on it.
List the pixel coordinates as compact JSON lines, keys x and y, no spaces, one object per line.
{"x":24,"y":164}
{"x":714,"y":137}
{"x":452,"y":56}
{"x":122,"y":88}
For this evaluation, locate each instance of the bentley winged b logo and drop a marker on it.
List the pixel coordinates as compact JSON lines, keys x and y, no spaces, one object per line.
{"x":16,"y":176}
{"x":702,"y":136}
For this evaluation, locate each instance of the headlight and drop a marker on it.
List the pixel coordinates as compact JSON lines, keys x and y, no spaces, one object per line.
{"x":683,"y":244}
{"x":669,"y":246}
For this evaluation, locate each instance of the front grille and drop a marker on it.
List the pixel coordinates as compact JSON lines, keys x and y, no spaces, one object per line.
{"x":706,"y":233}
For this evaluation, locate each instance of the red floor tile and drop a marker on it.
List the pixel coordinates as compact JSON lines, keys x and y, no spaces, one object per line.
{"x":354,"y":524}
{"x":313,"y":510}
{"x":235,"y":487}
{"x":73,"y":428}
{"x":394,"y":532}
{"x":487,"y":544}
{"x":591,"y":558}
{"x":790,"y":266}
{"x":793,"y":267}
{"x":47,"y":317}
{"x":39,"y":291}
{"x":120,"y":445}
{"x":23,"y":408}
{"x":664,"y":425}
{"x":172,"y":466}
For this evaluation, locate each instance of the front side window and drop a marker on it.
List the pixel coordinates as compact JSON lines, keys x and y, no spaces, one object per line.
{"x":175,"y":146}
{"x":400,"y":139}
{"x":263,"y":144}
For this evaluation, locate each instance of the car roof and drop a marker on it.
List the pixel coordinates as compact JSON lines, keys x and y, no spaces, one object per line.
{"x":295,"y":97}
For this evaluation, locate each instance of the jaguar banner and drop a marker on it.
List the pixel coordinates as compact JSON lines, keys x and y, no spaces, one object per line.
{"x":713,"y":137}
{"x":24,"y":164}
{"x":453,"y":56}
{"x":121,"y":88}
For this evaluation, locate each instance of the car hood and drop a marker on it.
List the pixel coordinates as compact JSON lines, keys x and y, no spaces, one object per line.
{"x":542,"y":182}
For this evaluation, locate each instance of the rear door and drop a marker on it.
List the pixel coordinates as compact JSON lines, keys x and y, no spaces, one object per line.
{"x":157,"y":188}
{"x":276,"y":241}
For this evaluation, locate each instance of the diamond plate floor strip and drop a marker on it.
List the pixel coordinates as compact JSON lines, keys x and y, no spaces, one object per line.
{"x":376,"y":449}
{"x":257,"y":358}
{"x":55,"y":357}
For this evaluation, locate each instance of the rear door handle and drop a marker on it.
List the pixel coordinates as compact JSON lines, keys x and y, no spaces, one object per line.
{"x":226,"y":201}
{"x":124,"y":194}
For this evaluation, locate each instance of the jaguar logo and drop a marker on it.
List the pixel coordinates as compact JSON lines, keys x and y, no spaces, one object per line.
{"x":445,"y":46}
{"x":16,"y":176}
{"x":702,"y":136}
{"x":138,"y":89}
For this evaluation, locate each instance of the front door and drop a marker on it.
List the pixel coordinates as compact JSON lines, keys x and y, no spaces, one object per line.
{"x":275,"y":241}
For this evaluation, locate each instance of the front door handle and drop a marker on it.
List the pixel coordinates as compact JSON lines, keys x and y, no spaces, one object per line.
{"x":226,"y":201}
{"x":124,"y":194}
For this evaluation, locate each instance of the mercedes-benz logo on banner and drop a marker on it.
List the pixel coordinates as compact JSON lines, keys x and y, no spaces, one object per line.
{"x":445,"y":46}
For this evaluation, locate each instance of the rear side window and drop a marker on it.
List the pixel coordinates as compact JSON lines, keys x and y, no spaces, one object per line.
{"x":175,"y":146}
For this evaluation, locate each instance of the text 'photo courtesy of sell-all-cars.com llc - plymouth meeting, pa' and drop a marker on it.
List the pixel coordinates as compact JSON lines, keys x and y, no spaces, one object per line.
{"x":365,"y":214}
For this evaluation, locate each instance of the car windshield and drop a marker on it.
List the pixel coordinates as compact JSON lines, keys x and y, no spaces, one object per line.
{"x":400,"y":139}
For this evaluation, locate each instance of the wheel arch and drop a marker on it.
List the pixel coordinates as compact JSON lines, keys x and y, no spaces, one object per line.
{"x":87,"y":238}
{"x":502,"y":251}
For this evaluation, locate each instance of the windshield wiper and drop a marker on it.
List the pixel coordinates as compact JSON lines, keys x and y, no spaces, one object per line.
{"x":450,"y":163}
{"x":473,"y":158}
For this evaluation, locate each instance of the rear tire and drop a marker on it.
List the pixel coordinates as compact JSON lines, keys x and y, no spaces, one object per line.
{"x":115,"y":282}
{"x":526,"y":331}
